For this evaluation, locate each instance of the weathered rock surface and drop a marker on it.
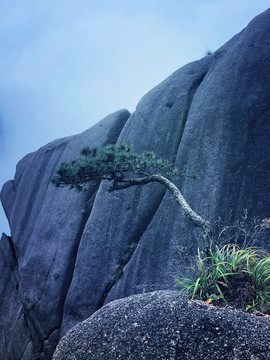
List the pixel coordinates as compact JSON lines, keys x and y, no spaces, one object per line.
{"x":13,"y":322}
{"x":75,"y":252}
{"x":158,"y":325}
{"x":46,"y":227}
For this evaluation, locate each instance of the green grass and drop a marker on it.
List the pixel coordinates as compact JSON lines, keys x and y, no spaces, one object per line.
{"x":231,"y":276}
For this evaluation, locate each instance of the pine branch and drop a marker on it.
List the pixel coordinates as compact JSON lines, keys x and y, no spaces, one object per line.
{"x":196,"y":219}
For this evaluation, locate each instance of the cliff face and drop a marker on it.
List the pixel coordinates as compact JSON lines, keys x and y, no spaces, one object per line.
{"x":69,"y":253}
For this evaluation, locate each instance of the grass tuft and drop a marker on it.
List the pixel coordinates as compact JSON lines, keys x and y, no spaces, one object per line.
{"x":231,"y":276}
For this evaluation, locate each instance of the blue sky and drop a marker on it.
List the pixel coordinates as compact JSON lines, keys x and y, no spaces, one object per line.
{"x":66,"y":64}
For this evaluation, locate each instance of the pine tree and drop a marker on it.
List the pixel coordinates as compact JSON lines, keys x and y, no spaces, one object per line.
{"x":125,"y":168}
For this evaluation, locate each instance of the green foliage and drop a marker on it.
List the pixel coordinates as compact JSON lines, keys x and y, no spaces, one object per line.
{"x":231,"y":276}
{"x":110,"y":163}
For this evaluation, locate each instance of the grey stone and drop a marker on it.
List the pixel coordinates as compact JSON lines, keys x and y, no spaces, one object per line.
{"x":159,"y":325}
{"x":119,"y":221}
{"x":46,"y":227}
{"x":210,"y":129}
{"x":14,"y":331}
{"x":78,"y":251}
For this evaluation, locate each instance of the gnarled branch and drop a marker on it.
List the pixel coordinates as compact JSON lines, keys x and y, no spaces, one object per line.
{"x":196,"y":219}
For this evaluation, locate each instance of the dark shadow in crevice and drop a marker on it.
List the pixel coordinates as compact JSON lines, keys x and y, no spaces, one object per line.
{"x":118,"y":272}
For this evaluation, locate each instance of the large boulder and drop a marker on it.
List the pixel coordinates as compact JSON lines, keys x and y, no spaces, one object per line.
{"x":77,"y":251}
{"x":159,"y":325}
{"x":46,"y":228}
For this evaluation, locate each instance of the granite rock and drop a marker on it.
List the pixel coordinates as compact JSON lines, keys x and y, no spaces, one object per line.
{"x":75,"y":252}
{"x":160,"y":325}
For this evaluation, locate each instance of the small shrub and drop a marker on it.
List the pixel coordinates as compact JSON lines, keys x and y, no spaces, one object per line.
{"x":231,"y":276}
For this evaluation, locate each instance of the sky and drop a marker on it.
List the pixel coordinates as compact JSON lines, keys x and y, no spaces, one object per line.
{"x":66,"y":64}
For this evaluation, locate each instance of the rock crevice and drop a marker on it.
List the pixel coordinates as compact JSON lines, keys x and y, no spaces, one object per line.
{"x":120,"y":267}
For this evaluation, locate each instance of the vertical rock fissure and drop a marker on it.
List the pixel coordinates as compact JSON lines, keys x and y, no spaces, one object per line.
{"x":15,"y":276}
{"x":42,"y":349}
{"x":90,"y":197}
{"x":12,"y":248}
{"x":25,"y":347}
{"x":89,"y":201}
{"x":190,"y":96}
{"x":118,"y":272}
{"x":44,"y":164}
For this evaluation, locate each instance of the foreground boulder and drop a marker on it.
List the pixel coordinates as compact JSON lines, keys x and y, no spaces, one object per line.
{"x":73,"y":252}
{"x":159,"y":325}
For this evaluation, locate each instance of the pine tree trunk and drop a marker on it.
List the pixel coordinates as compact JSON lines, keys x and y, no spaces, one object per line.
{"x":196,"y":219}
